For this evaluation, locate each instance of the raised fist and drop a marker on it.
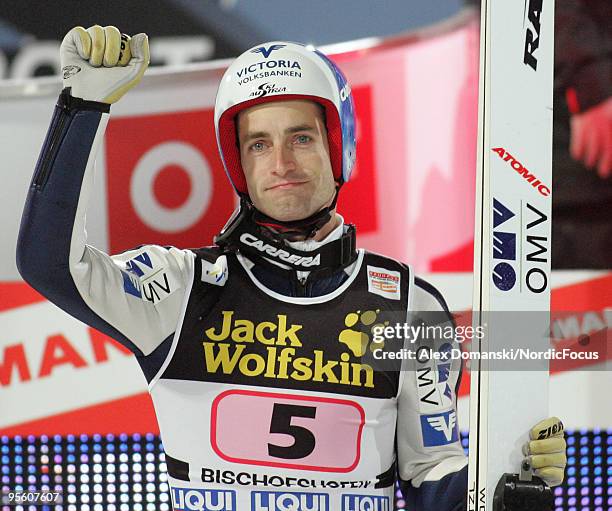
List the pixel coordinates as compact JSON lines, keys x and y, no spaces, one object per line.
{"x":101,"y":64}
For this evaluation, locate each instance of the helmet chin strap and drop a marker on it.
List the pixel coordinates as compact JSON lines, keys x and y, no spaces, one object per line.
{"x":306,"y":227}
{"x":261,"y":237}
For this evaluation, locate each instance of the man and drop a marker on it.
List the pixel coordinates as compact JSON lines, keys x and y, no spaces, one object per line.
{"x":260,"y":352}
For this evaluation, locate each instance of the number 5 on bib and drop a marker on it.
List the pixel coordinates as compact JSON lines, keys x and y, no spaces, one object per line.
{"x":288,"y":431}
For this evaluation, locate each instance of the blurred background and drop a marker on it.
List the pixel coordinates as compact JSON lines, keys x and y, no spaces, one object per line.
{"x":67,"y":420}
{"x":201,"y":30}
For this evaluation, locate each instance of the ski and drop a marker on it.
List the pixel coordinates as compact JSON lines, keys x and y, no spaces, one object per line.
{"x":512,"y":237}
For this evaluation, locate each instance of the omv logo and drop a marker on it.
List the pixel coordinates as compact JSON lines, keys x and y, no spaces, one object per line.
{"x":504,"y":248}
{"x":267,"y":51}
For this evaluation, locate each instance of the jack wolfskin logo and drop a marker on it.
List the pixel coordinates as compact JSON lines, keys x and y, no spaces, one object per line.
{"x":357,"y":340}
{"x":227,"y":351}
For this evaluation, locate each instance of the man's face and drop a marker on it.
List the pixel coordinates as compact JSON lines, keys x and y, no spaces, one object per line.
{"x":285,"y":158}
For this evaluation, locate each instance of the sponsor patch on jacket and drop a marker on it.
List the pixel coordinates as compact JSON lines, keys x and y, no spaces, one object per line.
{"x":383,"y":282}
{"x":215,"y":273}
{"x":439,"y":429}
{"x":145,"y":278}
{"x":431,"y":378}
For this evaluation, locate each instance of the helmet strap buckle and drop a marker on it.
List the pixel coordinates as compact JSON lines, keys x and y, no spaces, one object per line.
{"x":260,"y":240}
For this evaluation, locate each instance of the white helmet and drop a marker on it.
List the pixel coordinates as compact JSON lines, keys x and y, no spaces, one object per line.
{"x":279,"y":71}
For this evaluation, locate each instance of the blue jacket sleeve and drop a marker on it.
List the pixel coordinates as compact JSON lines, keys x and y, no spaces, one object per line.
{"x":431,"y":462}
{"x":106,"y":292}
{"x":448,"y":494}
{"x":44,"y":242}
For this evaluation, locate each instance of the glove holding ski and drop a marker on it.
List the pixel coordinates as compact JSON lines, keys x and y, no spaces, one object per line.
{"x":545,"y":451}
{"x":101,"y":64}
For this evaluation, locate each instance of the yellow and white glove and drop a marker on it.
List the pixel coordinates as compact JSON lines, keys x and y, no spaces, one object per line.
{"x":545,"y":451}
{"x":101,"y":64}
